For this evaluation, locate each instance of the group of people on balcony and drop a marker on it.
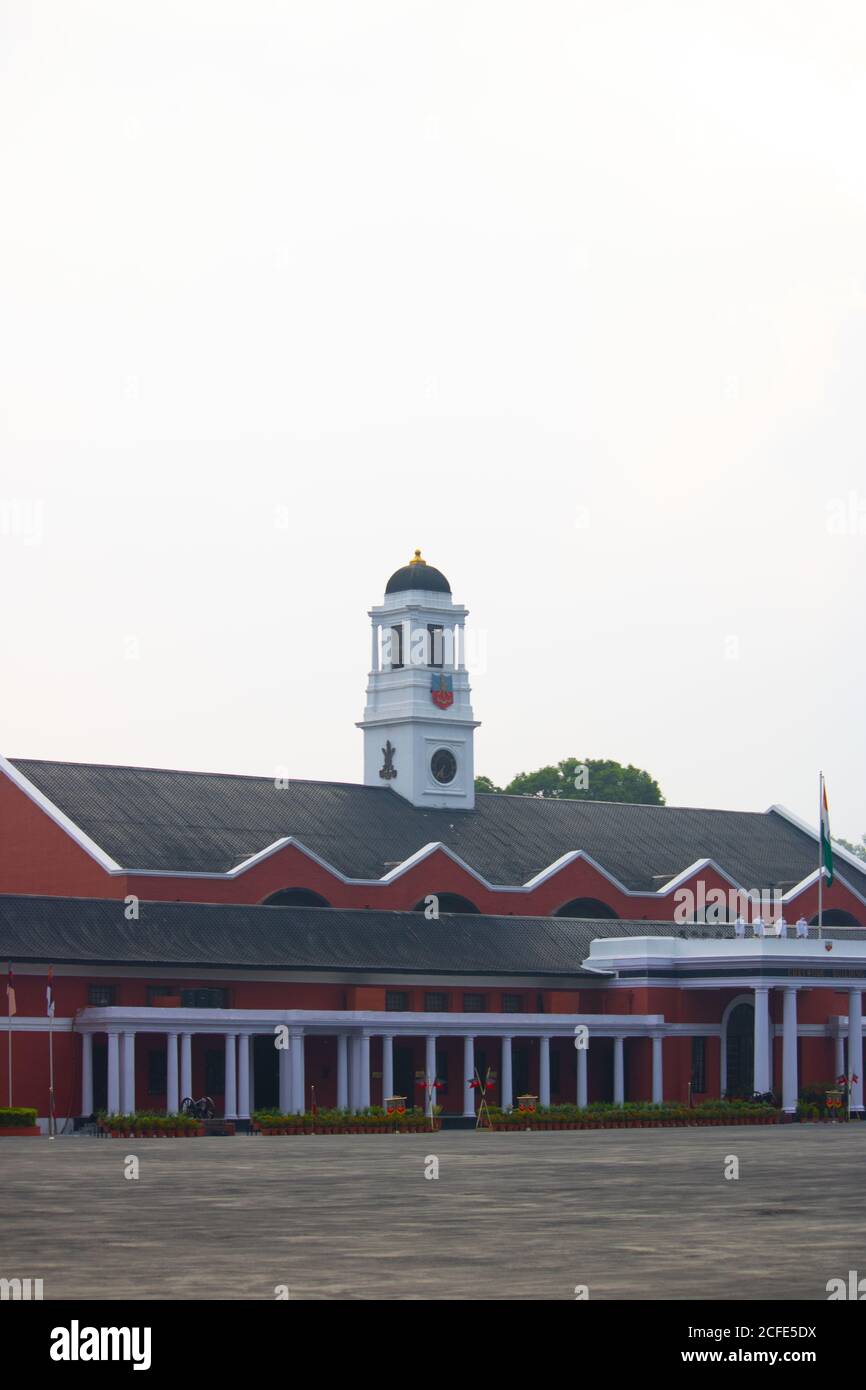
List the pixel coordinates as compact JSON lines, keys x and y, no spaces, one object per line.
{"x":777,"y":928}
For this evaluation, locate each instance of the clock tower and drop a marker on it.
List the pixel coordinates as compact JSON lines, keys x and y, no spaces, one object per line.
{"x":418,"y":724}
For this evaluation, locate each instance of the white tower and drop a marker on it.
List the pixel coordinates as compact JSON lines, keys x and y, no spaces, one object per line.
{"x":418,"y":723}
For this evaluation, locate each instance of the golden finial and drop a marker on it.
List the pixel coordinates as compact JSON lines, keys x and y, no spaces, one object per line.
{"x":417,"y":560}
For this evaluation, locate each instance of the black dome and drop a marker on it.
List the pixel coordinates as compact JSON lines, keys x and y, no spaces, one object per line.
{"x":418,"y":575}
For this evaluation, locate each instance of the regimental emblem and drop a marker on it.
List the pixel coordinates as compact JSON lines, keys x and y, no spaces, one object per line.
{"x":388,"y":771}
{"x":442,"y":691}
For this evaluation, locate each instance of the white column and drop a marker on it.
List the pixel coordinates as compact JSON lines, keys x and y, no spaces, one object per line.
{"x":855,"y":1046}
{"x":468,"y":1076}
{"x":789,"y":1051}
{"x":285,"y":1064}
{"x":762,"y":1040}
{"x":243,"y":1076}
{"x":507,"y":1084}
{"x":251,"y":1069}
{"x":231,"y":1081}
{"x":374,"y":648}
{"x":171,"y":1097}
{"x":127,"y":1096}
{"x":429,"y":1072}
{"x":365,"y":1071}
{"x":544,"y":1071}
{"x":658,"y":1073}
{"x":113,"y":1074}
{"x":299,"y":1101}
{"x":839,"y":1042}
{"x":87,"y":1074}
{"x":618,"y":1072}
{"x":185,"y":1065}
{"x":342,"y":1071}
{"x":582,"y":1069}
{"x":354,"y":1072}
{"x":387,"y":1065}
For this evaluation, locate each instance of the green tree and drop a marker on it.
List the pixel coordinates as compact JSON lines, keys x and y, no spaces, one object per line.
{"x":593,"y":779}
{"x":859,"y":850}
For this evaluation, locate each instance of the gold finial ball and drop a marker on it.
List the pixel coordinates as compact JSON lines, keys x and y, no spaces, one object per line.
{"x":417,"y":559}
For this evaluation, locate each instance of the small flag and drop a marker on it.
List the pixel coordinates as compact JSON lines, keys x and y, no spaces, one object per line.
{"x":11,"y":1007}
{"x":49,"y":992}
{"x":826,"y":844}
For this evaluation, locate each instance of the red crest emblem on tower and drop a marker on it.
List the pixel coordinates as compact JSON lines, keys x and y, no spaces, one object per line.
{"x":442,"y":691}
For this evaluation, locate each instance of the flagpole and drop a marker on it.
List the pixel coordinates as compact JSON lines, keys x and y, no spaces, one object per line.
{"x":49,"y":1004}
{"x":820,"y":850}
{"x":52,"y":1127}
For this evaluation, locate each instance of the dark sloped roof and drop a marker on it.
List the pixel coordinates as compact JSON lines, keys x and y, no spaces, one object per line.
{"x":80,"y":930}
{"x":148,"y":818}
{"x":94,"y":930}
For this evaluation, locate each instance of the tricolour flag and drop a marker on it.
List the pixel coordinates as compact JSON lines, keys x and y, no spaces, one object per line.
{"x":11,"y":1007}
{"x":49,"y":992}
{"x":826,"y":844}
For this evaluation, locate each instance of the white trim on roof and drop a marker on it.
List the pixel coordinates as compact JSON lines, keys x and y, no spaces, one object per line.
{"x":111,"y":867}
{"x":812,"y":878}
{"x":839,"y":851}
{"x":54,"y":813}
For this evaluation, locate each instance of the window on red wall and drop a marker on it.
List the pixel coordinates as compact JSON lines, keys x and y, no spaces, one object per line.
{"x":435,"y":1002}
{"x":513,"y":1004}
{"x":396,"y":1000}
{"x":474,"y":1003}
{"x":102,"y":996}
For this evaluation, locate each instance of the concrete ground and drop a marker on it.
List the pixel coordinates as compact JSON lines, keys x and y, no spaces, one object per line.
{"x":644,"y":1214}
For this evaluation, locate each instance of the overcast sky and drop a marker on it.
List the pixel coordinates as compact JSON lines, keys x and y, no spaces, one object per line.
{"x":570,"y":295}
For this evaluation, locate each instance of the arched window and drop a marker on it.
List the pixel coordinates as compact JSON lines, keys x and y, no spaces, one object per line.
{"x":296,"y":897}
{"x":448,"y":902}
{"x":587,"y":907}
{"x":835,"y":917}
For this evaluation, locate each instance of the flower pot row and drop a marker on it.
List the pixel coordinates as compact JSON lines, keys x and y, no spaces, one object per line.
{"x":19,"y":1131}
{"x":194,"y":1132}
{"x":514,"y":1126}
{"x":345,"y":1129}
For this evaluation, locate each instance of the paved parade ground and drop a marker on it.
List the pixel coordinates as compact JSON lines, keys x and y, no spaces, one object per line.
{"x":644,"y":1214}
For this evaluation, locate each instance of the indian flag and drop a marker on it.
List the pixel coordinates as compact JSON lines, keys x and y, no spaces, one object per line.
{"x":49,"y":993}
{"x":826,"y":844}
{"x":11,"y":1006}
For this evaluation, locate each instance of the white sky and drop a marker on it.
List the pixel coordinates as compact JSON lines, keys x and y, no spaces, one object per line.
{"x":570,"y":295}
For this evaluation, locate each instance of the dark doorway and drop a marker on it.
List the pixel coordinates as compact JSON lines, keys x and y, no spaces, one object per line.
{"x":520,"y":1069}
{"x":266,"y":1069}
{"x":740,"y":1051}
{"x":100,"y":1076}
{"x":404,"y":1075}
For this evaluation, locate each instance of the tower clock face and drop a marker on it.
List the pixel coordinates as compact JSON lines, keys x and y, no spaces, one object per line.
{"x":443,"y":765}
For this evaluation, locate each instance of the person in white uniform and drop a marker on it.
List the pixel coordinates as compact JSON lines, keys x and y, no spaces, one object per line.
{"x":758,"y":928}
{"x":802,"y":927}
{"x":739,"y":927}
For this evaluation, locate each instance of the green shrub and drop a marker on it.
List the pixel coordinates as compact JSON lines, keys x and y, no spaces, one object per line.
{"x":17,"y":1117}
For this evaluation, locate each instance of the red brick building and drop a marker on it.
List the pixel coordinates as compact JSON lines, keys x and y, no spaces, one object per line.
{"x":405,"y":927}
